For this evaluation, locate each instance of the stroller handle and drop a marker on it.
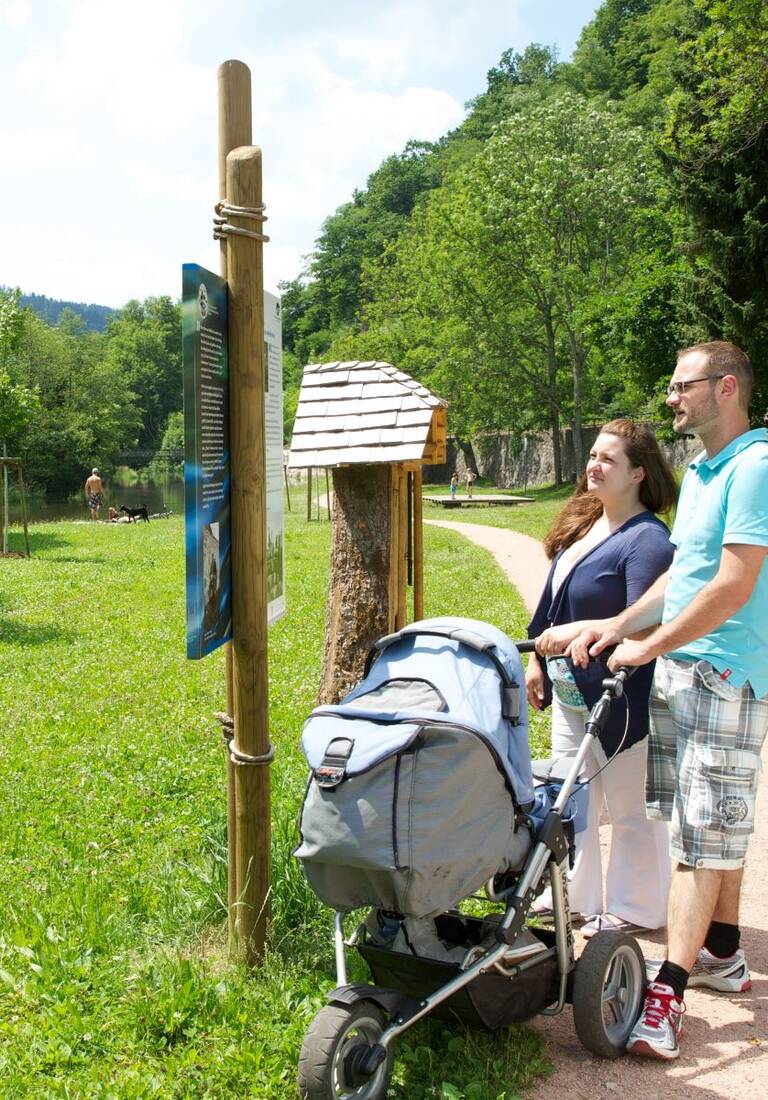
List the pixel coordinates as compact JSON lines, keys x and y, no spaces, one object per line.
{"x":622,"y":674}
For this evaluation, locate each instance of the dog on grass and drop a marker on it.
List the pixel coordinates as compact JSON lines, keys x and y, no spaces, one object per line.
{"x":135,"y":514}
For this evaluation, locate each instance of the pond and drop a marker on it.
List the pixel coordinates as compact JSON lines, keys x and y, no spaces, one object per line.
{"x":157,"y":496}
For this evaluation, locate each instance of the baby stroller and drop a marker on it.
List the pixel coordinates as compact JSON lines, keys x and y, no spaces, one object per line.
{"x":420,"y":793}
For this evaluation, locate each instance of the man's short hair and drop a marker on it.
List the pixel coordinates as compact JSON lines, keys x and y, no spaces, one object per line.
{"x":723,"y":357}
{"x":94,"y":470}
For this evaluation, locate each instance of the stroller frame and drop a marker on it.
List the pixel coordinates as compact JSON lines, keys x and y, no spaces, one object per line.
{"x":613,"y":981}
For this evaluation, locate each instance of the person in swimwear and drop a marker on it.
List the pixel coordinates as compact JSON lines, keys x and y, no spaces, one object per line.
{"x":94,"y":493}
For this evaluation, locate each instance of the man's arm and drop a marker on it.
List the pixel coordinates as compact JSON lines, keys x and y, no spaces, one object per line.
{"x":717,"y":601}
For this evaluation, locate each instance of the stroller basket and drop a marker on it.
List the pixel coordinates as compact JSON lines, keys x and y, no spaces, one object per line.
{"x":491,"y":1001}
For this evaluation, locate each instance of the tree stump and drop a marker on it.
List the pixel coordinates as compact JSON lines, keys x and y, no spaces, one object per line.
{"x":359,"y":586}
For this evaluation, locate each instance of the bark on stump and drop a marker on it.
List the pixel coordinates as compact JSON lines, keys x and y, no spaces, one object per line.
{"x":358,"y":590}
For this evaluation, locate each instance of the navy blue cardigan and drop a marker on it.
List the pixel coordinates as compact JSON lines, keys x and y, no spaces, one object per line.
{"x":610,"y":577}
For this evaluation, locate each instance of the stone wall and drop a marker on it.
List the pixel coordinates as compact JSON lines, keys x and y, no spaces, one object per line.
{"x":510,"y":465}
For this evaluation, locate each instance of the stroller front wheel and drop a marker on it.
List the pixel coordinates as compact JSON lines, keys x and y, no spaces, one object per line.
{"x":608,"y":991}
{"x":327,"y":1060}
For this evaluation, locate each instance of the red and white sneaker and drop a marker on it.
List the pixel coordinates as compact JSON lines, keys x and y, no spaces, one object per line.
{"x":657,"y":1032}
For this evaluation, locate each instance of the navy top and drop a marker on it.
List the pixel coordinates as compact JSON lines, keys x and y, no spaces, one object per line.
{"x":608,"y":578}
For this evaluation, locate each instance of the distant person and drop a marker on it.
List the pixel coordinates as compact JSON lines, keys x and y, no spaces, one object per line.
{"x":94,"y":493}
{"x":114,"y":515}
{"x":470,"y":482}
{"x":607,"y":548}
{"x":454,"y":485}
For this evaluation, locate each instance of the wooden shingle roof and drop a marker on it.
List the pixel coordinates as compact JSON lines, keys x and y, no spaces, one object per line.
{"x":353,"y":412}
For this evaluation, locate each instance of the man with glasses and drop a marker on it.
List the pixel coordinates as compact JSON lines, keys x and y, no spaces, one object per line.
{"x":706,"y":620}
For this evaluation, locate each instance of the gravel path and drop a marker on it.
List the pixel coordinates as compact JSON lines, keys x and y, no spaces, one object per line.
{"x":725,"y":1045}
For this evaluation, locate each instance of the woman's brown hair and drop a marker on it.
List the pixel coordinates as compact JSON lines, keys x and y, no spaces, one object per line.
{"x":658,"y":489}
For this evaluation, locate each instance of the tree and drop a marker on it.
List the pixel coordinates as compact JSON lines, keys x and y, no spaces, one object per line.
{"x":144,"y":347}
{"x":86,"y":412}
{"x":492,"y":295}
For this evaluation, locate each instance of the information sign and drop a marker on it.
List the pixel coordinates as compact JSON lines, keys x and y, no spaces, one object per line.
{"x":206,"y":460}
{"x":273,"y":417}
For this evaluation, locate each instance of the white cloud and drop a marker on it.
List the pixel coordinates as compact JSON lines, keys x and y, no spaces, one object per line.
{"x":14,"y":14}
{"x":112,"y":137}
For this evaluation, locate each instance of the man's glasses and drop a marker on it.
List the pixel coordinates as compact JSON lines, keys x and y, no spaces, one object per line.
{"x":679,"y":388}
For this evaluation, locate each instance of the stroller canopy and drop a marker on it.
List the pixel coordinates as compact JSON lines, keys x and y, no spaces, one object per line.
{"x":455,"y":670}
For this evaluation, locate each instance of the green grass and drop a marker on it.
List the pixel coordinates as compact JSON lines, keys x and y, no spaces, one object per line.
{"x":530,"y":519}
{"x":114,"y":981}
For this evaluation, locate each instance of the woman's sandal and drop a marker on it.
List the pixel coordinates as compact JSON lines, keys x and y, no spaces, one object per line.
{"x":607,"y":922}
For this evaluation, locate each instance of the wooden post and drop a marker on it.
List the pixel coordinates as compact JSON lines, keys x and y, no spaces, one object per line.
{"x":327,"y":494}
{"x":418,"y":548}
{"x":309,"y":493}
{"x":287,"y":486}
{"x":23,"y":508}
{"x":234,"y":80}
{"x":249,"y":557}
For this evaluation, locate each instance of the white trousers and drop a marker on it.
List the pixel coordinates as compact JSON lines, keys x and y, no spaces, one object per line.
{"x":638,"y":875}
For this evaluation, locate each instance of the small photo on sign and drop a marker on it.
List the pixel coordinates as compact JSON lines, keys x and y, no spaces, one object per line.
{"x":212,"y":576}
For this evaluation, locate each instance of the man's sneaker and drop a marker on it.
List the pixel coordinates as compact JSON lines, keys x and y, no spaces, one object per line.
{"x":729,"y":975}
{"x":660,"y":1026}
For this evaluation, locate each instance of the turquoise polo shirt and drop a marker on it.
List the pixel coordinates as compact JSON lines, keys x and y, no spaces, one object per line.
{"x":724,"y":500}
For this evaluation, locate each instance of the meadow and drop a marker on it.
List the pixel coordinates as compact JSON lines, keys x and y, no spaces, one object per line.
{"x":114,"y":976}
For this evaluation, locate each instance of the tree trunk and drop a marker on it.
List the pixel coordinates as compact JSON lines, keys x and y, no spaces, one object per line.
{"x":358,"y":589}
{"x":578,"y":438}
{"x":469,"y":455}
{"x":554,"y":408}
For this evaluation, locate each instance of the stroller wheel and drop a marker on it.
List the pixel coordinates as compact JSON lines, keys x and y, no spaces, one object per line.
{"x":608,"y":991}
{"x":330,"y":1060}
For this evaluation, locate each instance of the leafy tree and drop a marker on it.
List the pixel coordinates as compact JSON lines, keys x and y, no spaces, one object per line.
{"x":17,"y":402}
{"x":715,"y":149}
{"x":493,"y":296}
{"x":144,"y":348}
{"x":86,"y":412}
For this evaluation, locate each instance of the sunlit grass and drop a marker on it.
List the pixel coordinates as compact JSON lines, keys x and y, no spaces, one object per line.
{"x":114,"y":981}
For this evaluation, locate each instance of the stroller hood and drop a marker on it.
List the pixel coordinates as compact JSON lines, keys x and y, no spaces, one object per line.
{"x":458,"y":671}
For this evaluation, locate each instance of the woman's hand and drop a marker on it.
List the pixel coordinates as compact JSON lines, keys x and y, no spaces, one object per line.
{"x":554,"y":641}
{"x":534,"y":682}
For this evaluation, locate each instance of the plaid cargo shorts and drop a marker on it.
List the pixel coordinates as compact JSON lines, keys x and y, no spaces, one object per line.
{"x":704,"y":762}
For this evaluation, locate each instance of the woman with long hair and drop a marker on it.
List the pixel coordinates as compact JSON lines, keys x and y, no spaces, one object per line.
{"x":607,"y":547}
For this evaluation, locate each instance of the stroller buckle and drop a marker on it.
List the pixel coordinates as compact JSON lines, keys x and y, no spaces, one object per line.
{"x":333,"y":766}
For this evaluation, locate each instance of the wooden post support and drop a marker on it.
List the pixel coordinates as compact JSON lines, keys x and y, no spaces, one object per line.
{"x":309,"y":493}
{"x":287,"y":486}
{"x":418,"y":548}
{"x":234,"y":131}
{"x":327,"y":493}
{"x":23,"y":495}
{"x":249,"y":557}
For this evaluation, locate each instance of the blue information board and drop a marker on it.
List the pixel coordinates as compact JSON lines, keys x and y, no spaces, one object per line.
{"x":206,"y":460}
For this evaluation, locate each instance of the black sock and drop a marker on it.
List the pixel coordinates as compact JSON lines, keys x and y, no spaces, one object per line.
{"x":722,"y":939}
{"x":671,"y":974}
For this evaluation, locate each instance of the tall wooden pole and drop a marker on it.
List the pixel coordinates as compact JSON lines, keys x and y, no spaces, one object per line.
{"x":234,"y":131}
{"x":418,"y":547}
{"x":249,"y":557}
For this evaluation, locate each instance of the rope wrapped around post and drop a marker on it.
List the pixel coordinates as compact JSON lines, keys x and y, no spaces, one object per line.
{"x":222,"y":228}
{"x":235,"y":755}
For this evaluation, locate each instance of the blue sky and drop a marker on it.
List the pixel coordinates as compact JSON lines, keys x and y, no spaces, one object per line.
{"x":108,"y":134}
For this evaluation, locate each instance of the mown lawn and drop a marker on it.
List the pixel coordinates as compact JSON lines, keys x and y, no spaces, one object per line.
{"x":114,"y":981}
{"x":530,"y":519}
